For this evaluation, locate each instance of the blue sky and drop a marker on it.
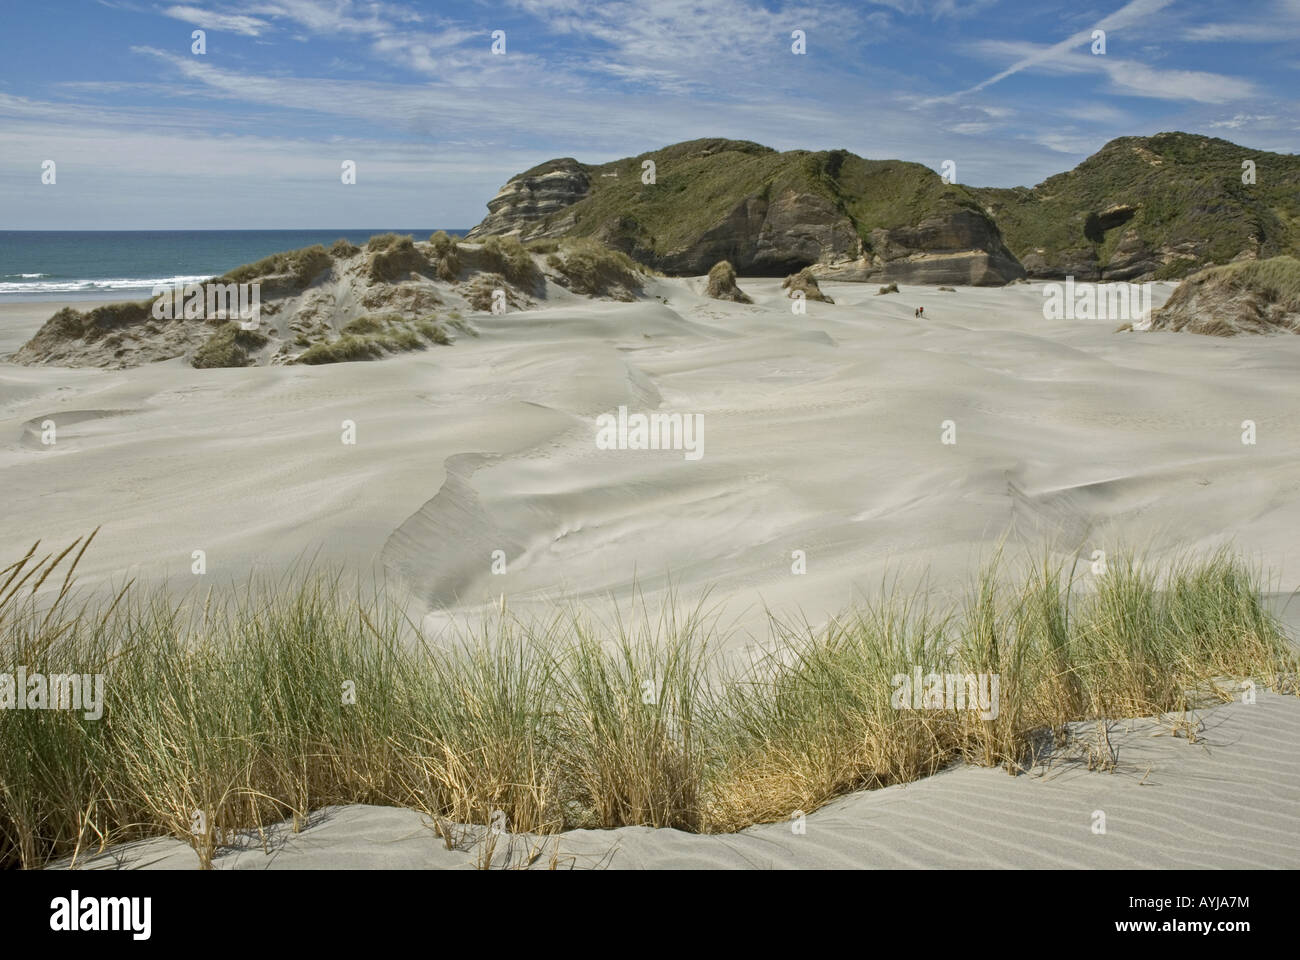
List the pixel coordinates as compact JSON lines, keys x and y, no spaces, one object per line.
{"x":147,"y":135}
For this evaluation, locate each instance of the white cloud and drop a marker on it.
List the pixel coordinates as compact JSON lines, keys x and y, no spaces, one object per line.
{"x":1279,"y":22}
{"x":1126,"y":77}
{"x":209,"y":20}
{"x":1135,"y":11}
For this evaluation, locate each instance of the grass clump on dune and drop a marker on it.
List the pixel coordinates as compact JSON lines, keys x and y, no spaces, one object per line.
{"x":90,"y":325}
{"x":447,"y":253}
{"x":722,"y":283}
{"x":394,"y":258}
{"x":343,"y":350}
{"x":506,"y":256}
{"x":369,"y":323}
{"x":370,"y":336}
{"x":301,"y":267}
{"x":266,"y":702}
{"x":805,"y":282}
{"x":1250,"y":296}
{"x":342,"y":248}
{"x":229,"y":346}
{"x":593,"y":270}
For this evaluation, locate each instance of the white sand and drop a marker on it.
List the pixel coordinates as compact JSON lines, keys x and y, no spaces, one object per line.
{"x":822,"y":434}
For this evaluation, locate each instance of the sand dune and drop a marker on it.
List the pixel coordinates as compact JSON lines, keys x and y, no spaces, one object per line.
{"x":822,"y":434}
{"x":1229,"y":800}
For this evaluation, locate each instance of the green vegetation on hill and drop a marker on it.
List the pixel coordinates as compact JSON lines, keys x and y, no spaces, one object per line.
{"x":699,"y":183}
{"x":1180,"y":195}
{"x":1141,"y":207}
{"x":393,"y":258}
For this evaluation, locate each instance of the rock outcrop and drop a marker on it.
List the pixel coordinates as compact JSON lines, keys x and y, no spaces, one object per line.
{"x":1141,"y":208}
{"x":684,"y":208}
{"x":534,"y":197}
{"x":962,"y":247}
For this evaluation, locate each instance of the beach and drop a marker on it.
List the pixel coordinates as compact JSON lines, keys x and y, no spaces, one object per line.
{"x":822,"y":433}
{"x":818,"y":478}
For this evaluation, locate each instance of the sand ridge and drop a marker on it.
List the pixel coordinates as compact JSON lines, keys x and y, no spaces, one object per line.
{"x":823,"y":434}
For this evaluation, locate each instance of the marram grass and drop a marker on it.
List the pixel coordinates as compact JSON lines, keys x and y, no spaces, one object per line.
{"x":267,"y":701}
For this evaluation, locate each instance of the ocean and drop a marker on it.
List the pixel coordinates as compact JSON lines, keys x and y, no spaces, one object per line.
{"x":97,"y":264}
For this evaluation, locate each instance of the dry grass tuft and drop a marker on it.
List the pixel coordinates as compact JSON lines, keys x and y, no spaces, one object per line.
{"x":278,"y":698}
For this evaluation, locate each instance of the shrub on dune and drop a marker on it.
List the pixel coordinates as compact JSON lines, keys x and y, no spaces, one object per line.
{"x":394,"y":258}
{"x":722,"y":284}
{"x":301,"y":267}
{"x":805,"y":282}
{"x":231,"y":706}
{"x":229,"y":346}
{"x":593,"y":270}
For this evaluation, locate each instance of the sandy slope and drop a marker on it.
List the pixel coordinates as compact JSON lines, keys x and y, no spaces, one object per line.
{"x":1230,"y":800}
{"x":822,"y":434}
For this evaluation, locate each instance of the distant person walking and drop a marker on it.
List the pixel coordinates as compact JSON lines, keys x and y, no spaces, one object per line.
{"x":918,"y":312}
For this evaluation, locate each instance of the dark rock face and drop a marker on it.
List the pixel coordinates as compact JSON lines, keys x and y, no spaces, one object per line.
{"x":1079,"y":263}
{"x":761,"y":238}
{"x":960,"y":247}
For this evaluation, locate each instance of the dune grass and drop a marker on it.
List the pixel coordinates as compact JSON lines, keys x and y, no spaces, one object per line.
{"x":301,"y":266}
{"x":721,"y":283}
{"x":394,"y":258}
{"x":246,"y":706}
{"x":591,"y":269}
{"x":371,"y":335}
{"x":229,"y":346}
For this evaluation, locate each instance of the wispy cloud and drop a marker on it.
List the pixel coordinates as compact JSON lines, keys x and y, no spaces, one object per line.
{"x":1276,"y":22}
{"x":1126,"y":77}
{"x":211,"y":20}
{"x":1043,"y":56}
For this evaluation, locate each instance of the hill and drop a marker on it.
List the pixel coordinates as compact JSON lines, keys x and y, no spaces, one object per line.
{"x":1155,"y":207}
{"x":768,"y":213}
